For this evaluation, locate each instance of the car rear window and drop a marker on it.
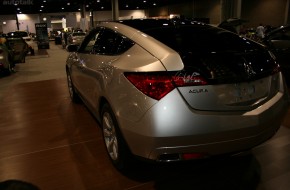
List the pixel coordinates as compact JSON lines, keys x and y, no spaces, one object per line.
{"x":193,"y":36}
{"x":219,"y":55}
{"x":201,"y":38}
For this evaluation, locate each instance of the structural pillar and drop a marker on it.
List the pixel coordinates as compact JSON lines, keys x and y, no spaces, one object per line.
{"x":17,"y":21}
{"x":287,"y":16}
{"x":92,"y":18}
{"x":115,"y":9}
{"x":230,"y":9}
{"x":83,"y":17}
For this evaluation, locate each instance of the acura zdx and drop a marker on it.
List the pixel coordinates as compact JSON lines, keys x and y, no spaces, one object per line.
{"x":171,"y":90}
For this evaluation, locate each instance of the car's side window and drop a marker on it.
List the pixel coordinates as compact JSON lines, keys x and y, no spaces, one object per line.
{"x":123,"y":45}
{"x":111,"y":43}
{"x":88,"y":43}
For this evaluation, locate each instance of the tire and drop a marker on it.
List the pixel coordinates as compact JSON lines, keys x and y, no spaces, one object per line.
{"x":72,"y":92}
{"x":116,"y":147}
{"x":23,"y":59}
{"x":8,"y":70}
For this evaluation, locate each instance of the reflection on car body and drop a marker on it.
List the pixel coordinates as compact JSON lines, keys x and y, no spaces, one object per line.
{"x":166,"y":90}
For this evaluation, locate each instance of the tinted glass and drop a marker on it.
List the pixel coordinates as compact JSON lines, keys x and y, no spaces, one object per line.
{"x":217,"y":54}
{"x":111,"y":43}
{"x":105,"y":42}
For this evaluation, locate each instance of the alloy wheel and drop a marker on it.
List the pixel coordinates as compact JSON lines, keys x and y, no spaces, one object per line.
{"x":110,"y":136}
{"x":70,"y":86}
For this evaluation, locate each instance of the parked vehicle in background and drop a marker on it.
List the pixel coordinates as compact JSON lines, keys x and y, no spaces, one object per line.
{"x":28,"y":39}
{"x":278,"y":41}
{"x":231,"y":24}
{"x":75,"y":38}
{"x":20,"y":48}
{"x":6,"y":57}
{"x":173,"y":90}
{"x":3,"y":35}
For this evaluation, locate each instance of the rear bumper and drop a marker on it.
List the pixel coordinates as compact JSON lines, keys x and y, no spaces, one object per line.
{"x":173,"y":128}
{"x":232,"y":146}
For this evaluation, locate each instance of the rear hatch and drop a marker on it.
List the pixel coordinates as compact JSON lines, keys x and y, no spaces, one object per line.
{"x":232,"y":72}
{"x":233,"y":80}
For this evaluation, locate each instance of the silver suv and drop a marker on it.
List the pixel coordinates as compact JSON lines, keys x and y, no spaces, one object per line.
{"x":172,"y":90}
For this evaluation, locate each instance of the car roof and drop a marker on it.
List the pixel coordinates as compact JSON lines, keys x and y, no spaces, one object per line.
{"x":131,"y":27}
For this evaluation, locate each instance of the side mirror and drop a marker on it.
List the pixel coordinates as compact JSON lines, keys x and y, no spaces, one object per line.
{"x":72,"y":48}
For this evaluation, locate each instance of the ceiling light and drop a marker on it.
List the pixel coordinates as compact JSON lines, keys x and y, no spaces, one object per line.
{"x":68,"y":3}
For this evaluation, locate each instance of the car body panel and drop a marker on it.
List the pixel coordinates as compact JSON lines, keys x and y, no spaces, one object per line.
{"x":196,"y":131}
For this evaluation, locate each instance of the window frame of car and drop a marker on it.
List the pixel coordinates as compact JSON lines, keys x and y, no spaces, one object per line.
{"x":99,"y":42}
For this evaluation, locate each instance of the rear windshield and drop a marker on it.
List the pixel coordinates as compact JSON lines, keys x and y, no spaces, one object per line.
{"x":193,"y":36}
{"x":217,"y":54}
{"x":201,"y":38}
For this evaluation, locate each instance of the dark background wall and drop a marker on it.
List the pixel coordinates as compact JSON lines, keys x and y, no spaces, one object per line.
{"x":268,"y":12}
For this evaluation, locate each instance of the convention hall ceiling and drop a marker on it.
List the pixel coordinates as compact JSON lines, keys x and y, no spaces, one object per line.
{"x":54,"y":6}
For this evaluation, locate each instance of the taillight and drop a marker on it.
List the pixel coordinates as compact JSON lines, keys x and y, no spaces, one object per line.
{"x":158,"y":84}
{"x":152,"y":84}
